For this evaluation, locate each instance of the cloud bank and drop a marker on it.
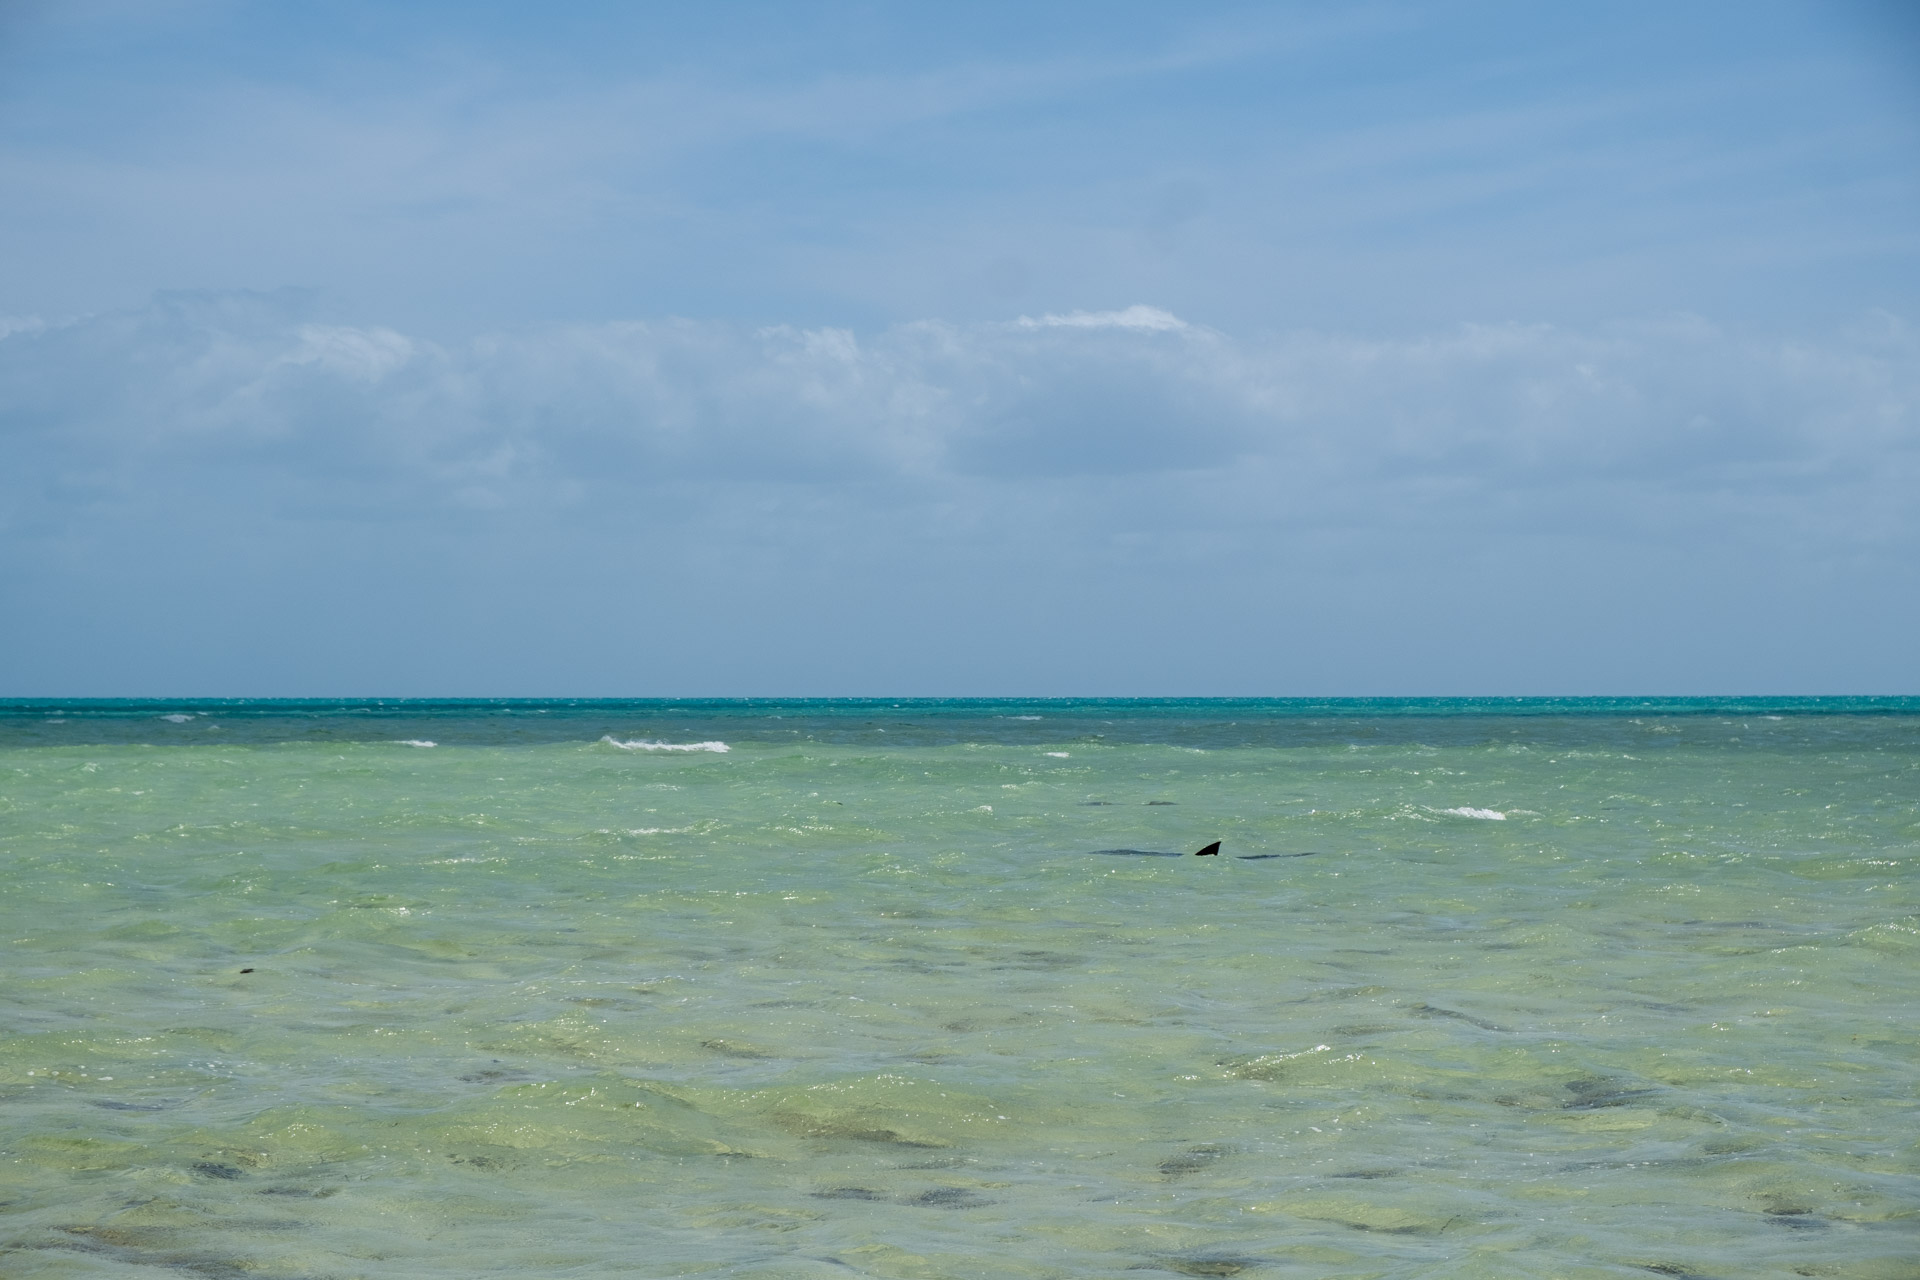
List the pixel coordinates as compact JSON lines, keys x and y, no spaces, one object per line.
{"x":1487,"y":421}
{"x":219,"y":438}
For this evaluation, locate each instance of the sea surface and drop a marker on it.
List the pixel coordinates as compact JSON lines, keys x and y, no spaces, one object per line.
{"x":1474,"y":988}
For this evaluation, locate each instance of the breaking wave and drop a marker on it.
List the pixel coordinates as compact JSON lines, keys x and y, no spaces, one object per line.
{"x":641,"y":745}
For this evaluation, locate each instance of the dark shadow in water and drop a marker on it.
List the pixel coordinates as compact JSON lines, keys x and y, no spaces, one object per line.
{"x":937,"y":1198}
{"x":148,"y":1247}
{"x":948,"y":1198}
{"x":214,"y":1169}
{"x":1426,"y":1010}
{"x":1219,"y":1264}
{"x":1597,"y":1094}
{"x":1193,"y":1159}
{"x":495,"y":1074}
{"x":1263,"y":857}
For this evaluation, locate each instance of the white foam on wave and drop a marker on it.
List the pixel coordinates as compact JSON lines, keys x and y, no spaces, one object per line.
{"x":640,"y":745}
{"x":176,"y":718}
{"x":1057,"y":755}
{"x":1490,"y":815}
{"x":417,"y":742}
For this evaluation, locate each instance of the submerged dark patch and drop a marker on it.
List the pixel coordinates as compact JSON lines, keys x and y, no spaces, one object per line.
{"x":214,"y":1169}
{"x":490,"y":1075}
{"x":149,"y":1247}
{"x":486,"y":1164}
{"x":1192,"y":1160}
{"x":1426,"y":1010}
{"x":1135,"y":853}
{"x":1214,"y":1265}
{"x":949,"y":1198}
{"x":937,"y":1198}
{"x":1597,"y":1094}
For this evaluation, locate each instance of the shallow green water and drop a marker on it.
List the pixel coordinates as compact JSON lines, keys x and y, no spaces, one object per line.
{"x":857,"y":996}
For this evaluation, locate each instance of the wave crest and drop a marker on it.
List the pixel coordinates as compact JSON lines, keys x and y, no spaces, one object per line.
{"x":639,"y":744}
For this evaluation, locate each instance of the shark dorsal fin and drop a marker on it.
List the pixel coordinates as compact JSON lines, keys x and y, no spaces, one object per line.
{"x":1210,"y":851}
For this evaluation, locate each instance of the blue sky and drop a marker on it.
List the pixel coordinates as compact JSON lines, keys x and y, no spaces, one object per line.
{"x":1026,"y":349}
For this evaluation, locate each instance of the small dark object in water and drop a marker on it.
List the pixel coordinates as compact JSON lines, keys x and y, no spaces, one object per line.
{"x":1262,"y":857}
{"x":246,"y":971}
{"x":214,"y":1169}
{"x":1151,"y":803}
{"x":850,"y":1193}
{"x":1212,"y":850}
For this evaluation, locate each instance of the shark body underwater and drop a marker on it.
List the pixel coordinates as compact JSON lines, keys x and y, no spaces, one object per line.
{"x":1211,"y":851}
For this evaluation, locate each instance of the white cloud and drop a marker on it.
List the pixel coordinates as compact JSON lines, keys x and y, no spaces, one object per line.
{"x":1631,"y":429}
{"x":215,"y":485}
{"x":1148,"y":319}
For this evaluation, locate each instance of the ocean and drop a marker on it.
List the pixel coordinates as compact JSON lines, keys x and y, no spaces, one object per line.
{"x":1474,"y":988}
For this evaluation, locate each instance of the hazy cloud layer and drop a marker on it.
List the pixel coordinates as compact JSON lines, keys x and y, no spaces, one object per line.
{"x":1606,"y":432}
{"x":216,"y":493}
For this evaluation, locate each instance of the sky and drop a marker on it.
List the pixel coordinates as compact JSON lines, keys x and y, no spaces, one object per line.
{"x":597,"y":349}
